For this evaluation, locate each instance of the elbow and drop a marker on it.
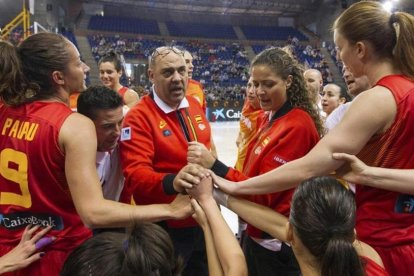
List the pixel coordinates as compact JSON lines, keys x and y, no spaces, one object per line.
{"x":92,"y":219}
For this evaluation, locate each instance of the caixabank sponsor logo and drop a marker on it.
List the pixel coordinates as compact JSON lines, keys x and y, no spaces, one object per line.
{"x":225,"y":114}
{"x":22,"y":219}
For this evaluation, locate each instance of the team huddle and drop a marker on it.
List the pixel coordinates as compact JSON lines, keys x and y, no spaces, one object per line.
{"x":133,"y":186}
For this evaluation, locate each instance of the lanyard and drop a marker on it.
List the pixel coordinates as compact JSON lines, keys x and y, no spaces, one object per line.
{"x":184,"y":126}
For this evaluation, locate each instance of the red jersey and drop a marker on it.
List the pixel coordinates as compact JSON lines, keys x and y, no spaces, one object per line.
{"x":33,"y":187}
{"x":249,"y":124}
{"x":154,"y":149}
{"x":289,"y":137}
{"x":195,"y":89}
{"x":386,"y":218}
{"x":372,"y":268}
{"x":122,"y":92}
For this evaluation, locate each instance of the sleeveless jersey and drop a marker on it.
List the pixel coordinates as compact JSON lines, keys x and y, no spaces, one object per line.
{"x":33,"y":187}
{"x":122,"y":92}
{"x":386,"y":218}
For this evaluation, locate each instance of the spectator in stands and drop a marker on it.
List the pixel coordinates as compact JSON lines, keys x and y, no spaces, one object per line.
{"x":154,"y":142}
{"x":110,"y":72}
{"x":49,"y":152}
{"x":355,"y":87}
{"x":147,"y":250}
{"x":377,"y":126}
{"x":280,"y":88}
{"x":333,"y":95}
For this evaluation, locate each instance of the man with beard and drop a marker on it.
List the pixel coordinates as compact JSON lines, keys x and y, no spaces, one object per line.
{"x":154,"y":141}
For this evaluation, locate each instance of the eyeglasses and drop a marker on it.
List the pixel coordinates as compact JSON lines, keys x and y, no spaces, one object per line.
{"x":163,"y":51}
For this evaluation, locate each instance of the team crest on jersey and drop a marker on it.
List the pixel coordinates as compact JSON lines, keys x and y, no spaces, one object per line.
{"x":258,"y":150}
{"x":162,"y":124}
{"x":266,"y":141}
{"x":198,"y":119}
{"x":126,"y":134}
{"x":202,"y":126}
{"x":166,"y":132}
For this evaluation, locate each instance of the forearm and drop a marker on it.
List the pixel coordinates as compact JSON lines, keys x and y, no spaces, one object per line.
{"x":227,"y":248}
{"x":260,"y":217}
{"x":110,"y":214}
{"x":214,"y":266}
{"x":397,"y":180}
{"x":289,"y":175}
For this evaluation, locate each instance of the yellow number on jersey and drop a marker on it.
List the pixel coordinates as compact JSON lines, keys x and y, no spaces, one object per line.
{"x":18,"y":176}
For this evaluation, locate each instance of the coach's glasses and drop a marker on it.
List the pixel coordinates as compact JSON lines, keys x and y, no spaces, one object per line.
{"x":163,"y":51}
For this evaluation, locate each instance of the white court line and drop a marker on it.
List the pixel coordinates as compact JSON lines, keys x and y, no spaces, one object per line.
{"x":224,"y":136}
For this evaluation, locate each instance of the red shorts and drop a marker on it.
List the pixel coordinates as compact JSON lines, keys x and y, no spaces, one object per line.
{"x":398,"y":260}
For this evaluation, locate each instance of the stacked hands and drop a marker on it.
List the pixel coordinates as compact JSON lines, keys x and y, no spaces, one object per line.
{"x":196,"y":179}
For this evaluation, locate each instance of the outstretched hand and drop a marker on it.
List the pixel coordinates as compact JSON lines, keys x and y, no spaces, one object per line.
{"x":224,"y":185}
{"x":181,"y":207}
{"x":27,"y":251}
{"x":354,"y":171}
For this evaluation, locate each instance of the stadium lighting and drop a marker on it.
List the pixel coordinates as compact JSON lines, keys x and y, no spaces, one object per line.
{"x":388,"y":6}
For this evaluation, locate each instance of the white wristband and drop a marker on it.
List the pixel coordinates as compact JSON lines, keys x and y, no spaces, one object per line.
{"x":220,"y":197}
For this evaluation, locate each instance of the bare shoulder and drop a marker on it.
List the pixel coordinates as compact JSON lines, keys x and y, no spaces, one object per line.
{"x":131,"y":98}
{"x":77,"y":128}
{"x":367,"y":251}
{"x":375,"y":106}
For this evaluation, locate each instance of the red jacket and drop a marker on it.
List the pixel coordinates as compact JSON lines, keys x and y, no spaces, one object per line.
{"x":287,"y":138}
{"x":157,"y":151}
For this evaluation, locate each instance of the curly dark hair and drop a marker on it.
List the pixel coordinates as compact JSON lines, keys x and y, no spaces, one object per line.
{"x":284,"y":65}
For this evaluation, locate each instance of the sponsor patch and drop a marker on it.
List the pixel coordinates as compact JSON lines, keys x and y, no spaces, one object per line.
{"x":166,"y":132}
{"x":19,"y":220}
{"x":202,"y":126}
{"x":126,"y":134}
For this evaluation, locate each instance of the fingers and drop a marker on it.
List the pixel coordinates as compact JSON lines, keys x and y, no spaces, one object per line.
{"x":195,"y":205}
{"x":41,"y":233}
{"x":31,"y":259}
{"x":344,"y":157}
{"x":44,"y":242}
{"x":28,"y":232}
